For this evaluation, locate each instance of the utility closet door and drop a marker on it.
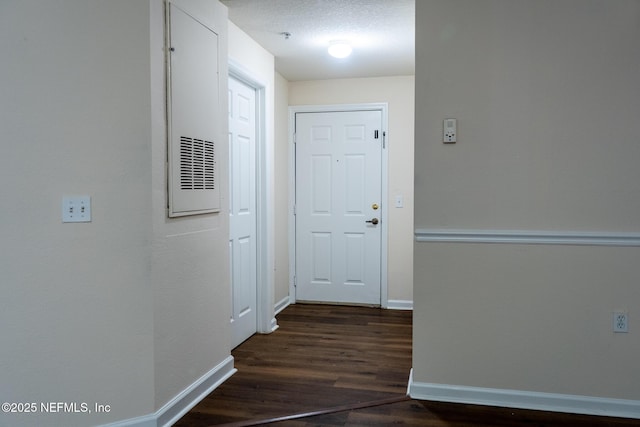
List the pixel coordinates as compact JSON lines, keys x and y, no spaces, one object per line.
{"x":242,"y":215}
{"x":338,"y":198}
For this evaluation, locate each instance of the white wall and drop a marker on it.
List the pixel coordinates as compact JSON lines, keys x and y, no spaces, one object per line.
{"x":547,"y":100}
{"x":131,"y":309}
{"x":77,"y":299}
{"x":398,"y":92}
{"x":190,"y":260}
{"x":281,"y":188}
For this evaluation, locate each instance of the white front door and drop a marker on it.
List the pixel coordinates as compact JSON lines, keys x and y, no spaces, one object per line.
{"x":338,"y":206}
{"x":242,"y":215}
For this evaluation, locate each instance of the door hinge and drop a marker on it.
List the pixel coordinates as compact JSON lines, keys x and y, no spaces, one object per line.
{"x":295,"y":281}
{"x":384,"y":139}
{"x":295,"y":141}
{"x":294,"y":209}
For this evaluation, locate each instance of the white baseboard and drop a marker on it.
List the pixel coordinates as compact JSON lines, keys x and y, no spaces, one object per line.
{"x":145,"y":421}
{"x":173,"y":410}
{"x":274,"y":325}
{"x":572,"y":404}
{"x":278,"y":307}
{"x":392,"y":304}
{"x":399,"y":304}
{"x":282,"y":304}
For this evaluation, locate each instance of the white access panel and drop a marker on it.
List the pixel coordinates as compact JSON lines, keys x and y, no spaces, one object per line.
{"x":193,"y":86}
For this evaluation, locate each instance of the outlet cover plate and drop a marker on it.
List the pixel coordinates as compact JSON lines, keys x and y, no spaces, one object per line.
{"x":620,"y":321}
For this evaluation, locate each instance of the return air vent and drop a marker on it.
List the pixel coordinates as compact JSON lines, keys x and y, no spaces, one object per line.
{"x":197,"y":164}
{"x":195,"y":118}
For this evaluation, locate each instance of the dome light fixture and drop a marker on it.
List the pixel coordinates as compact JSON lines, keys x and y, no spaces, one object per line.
{"x":339,"y":49}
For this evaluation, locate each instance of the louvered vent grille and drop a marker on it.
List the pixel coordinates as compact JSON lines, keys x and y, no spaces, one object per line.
{"x":197,"y":164}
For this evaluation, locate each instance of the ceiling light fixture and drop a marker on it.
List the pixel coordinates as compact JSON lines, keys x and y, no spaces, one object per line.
{"x":340,"y":49}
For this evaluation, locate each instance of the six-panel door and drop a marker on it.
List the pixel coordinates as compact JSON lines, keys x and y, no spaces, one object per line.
{"x":338,"y":194}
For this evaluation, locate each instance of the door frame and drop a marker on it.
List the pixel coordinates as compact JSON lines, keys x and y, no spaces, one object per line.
{"x":266,"y":321}
{"x":378,"y":106}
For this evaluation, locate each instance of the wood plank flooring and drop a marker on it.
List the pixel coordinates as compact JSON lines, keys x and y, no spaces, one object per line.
{"x":325,"y":357}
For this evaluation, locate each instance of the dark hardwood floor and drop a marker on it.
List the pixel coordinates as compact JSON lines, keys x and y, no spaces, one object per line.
{"x":353,"y":362}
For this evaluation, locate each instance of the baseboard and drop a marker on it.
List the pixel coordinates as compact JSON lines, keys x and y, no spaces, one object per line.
{"x":279,"y":306}
{"x":392,"y":304}
{"x":173,"y":410}
{"x":572,"y":404}
{"x":282,"y":304}
{"x":399,"y":304}
{"x":274,"y":325}
{"x":145,"y":421}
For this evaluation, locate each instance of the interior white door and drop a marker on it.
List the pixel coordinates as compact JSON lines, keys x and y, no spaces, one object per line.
{"x":242,"y":215}
{"x":338,"y":198}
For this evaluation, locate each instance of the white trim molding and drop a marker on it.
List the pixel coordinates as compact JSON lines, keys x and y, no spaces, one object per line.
{"x":572,"y":404}
{"x":175,"y":409}
{"x":399,"y":304}
{"x":282,"y":304}
{"x":145,"y":421}
{"x":528,"y":237}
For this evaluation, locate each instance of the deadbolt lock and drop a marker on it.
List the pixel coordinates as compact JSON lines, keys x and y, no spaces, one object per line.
{"x":375,"y":206}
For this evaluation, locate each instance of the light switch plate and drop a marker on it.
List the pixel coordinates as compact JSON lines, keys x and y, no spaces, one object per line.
{"x":76,"y":209}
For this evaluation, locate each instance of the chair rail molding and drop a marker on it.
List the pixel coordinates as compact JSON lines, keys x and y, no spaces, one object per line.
{"x":527,"y":237}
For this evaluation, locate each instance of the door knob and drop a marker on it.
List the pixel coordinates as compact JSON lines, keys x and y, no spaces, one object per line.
{"x":373,"y":221}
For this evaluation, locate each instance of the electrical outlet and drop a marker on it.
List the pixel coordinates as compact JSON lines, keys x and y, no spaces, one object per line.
{"x":620,"y":321}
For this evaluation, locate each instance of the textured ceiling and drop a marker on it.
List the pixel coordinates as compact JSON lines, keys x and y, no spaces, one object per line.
{"x":382,"y":33}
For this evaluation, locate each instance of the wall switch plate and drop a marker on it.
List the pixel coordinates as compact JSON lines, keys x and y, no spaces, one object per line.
{"x":450,"y":131}
{"x":399,"y":201}
{"x":76,"y":209}
{"x":620,"y":321}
